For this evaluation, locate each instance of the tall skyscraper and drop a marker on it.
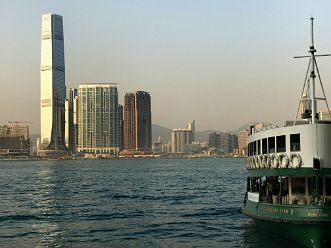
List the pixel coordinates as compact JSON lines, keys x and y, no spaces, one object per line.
{"x":137,"y":121}
{"x":98,"y":118}
{"x":129,"y":135}
{"x":52,"y":77}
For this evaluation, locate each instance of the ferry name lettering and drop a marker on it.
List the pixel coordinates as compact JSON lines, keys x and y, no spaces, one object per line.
{"x":317,"y":213}
{"x":276,"y":210}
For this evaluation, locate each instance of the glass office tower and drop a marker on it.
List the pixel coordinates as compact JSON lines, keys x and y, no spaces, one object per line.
{"x":52,"y":77}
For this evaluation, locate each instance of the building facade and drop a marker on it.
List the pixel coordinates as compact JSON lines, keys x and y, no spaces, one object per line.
{"x":191,"y":127}
{"x":98,"y":118}
{"x":214,"y":140}
{"x":137,"y":121}
{"x":71,"y":119}
{"x":233,"y":143}
{"x":14,"y":140}
{"x":242,"y":142}
{"x":52,"y":78}
{"x":120,"y":127}
{"x":225,"y":143}
{"x":179,"y":139}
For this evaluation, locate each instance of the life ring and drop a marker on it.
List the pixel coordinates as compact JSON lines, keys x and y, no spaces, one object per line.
{"x":274,"y":160}
{"x":268,"y":160}
{"x":283,"y":160}
{"x":263,"y":161}
{"x":295,"y":160}
{"x":250,"y":162}
{"x":257,"y":162}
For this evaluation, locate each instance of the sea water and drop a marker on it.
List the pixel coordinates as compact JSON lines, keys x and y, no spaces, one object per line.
{"x":127,"y":203}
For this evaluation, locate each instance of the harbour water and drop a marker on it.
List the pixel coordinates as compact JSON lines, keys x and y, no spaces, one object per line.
{"x":127,"y":203}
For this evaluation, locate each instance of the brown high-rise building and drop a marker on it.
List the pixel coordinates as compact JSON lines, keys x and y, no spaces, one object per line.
{"x":137,"y":121}
{"x":120,"y":126}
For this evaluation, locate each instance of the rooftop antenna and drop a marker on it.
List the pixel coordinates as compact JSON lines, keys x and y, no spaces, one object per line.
{"x":308,"y":96}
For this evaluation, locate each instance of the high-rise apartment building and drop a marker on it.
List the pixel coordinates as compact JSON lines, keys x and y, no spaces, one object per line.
{"x":52,"y":76}
{"x":137,"y":121}
{"x":242,"y":142}
{"x":98,"y":118}
{"x":180,"y":138}
{"x":214,"y":140}
{"x":225,"y":143}
{"x":120,"y":127}
{"x":233,"y":143}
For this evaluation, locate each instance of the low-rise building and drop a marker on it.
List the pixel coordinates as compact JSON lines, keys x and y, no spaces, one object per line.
{"x":14,"y":140}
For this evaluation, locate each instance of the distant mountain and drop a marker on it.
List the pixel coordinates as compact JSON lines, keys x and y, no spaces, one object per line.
{"x":163,"y":132}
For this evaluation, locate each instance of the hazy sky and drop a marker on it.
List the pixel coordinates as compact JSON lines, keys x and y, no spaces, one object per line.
{"x":222,"y":63}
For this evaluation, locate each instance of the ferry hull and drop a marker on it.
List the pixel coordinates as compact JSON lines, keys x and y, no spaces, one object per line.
{"x":292,"y":223}
{"x":308,"y":235}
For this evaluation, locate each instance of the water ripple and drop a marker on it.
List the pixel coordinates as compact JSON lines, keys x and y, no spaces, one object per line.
{"x":125,"y":203}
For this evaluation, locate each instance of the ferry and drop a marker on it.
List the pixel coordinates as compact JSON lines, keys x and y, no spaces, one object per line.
{"x":289,"y":169}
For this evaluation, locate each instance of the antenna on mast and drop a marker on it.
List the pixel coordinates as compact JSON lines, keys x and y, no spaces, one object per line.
{"x":308,"y":99}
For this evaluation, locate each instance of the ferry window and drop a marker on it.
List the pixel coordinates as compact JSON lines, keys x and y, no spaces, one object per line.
{"x":295,"y":142}
{"x":328,"y":185}
{"x":264,"y":146}
{"x":285,"y":186}
{"x":271,"y":143}
{"x":312,"y":185}
{"x":281,"y":143}
{"x":298,"y":185}
{"x":255,"y":185}
{"x":250,"y":145}
{"x":259,"y":147}
{"x":254,"y":148}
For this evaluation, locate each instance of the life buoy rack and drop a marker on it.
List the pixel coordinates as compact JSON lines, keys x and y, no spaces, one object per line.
{"x":283,"y":160}
{"x":295,"y":160}
{"x":274,"y":161}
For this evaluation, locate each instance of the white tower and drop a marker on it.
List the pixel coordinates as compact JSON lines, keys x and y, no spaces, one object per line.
{"x":52,"y":77}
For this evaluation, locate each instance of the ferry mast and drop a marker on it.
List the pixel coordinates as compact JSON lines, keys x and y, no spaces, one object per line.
{"x":308,"y":94}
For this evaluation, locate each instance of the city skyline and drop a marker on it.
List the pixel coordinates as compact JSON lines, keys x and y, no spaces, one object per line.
{"x":216,"y":61}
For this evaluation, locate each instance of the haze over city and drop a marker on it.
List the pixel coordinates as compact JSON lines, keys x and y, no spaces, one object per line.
{"x":223,"y":63}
